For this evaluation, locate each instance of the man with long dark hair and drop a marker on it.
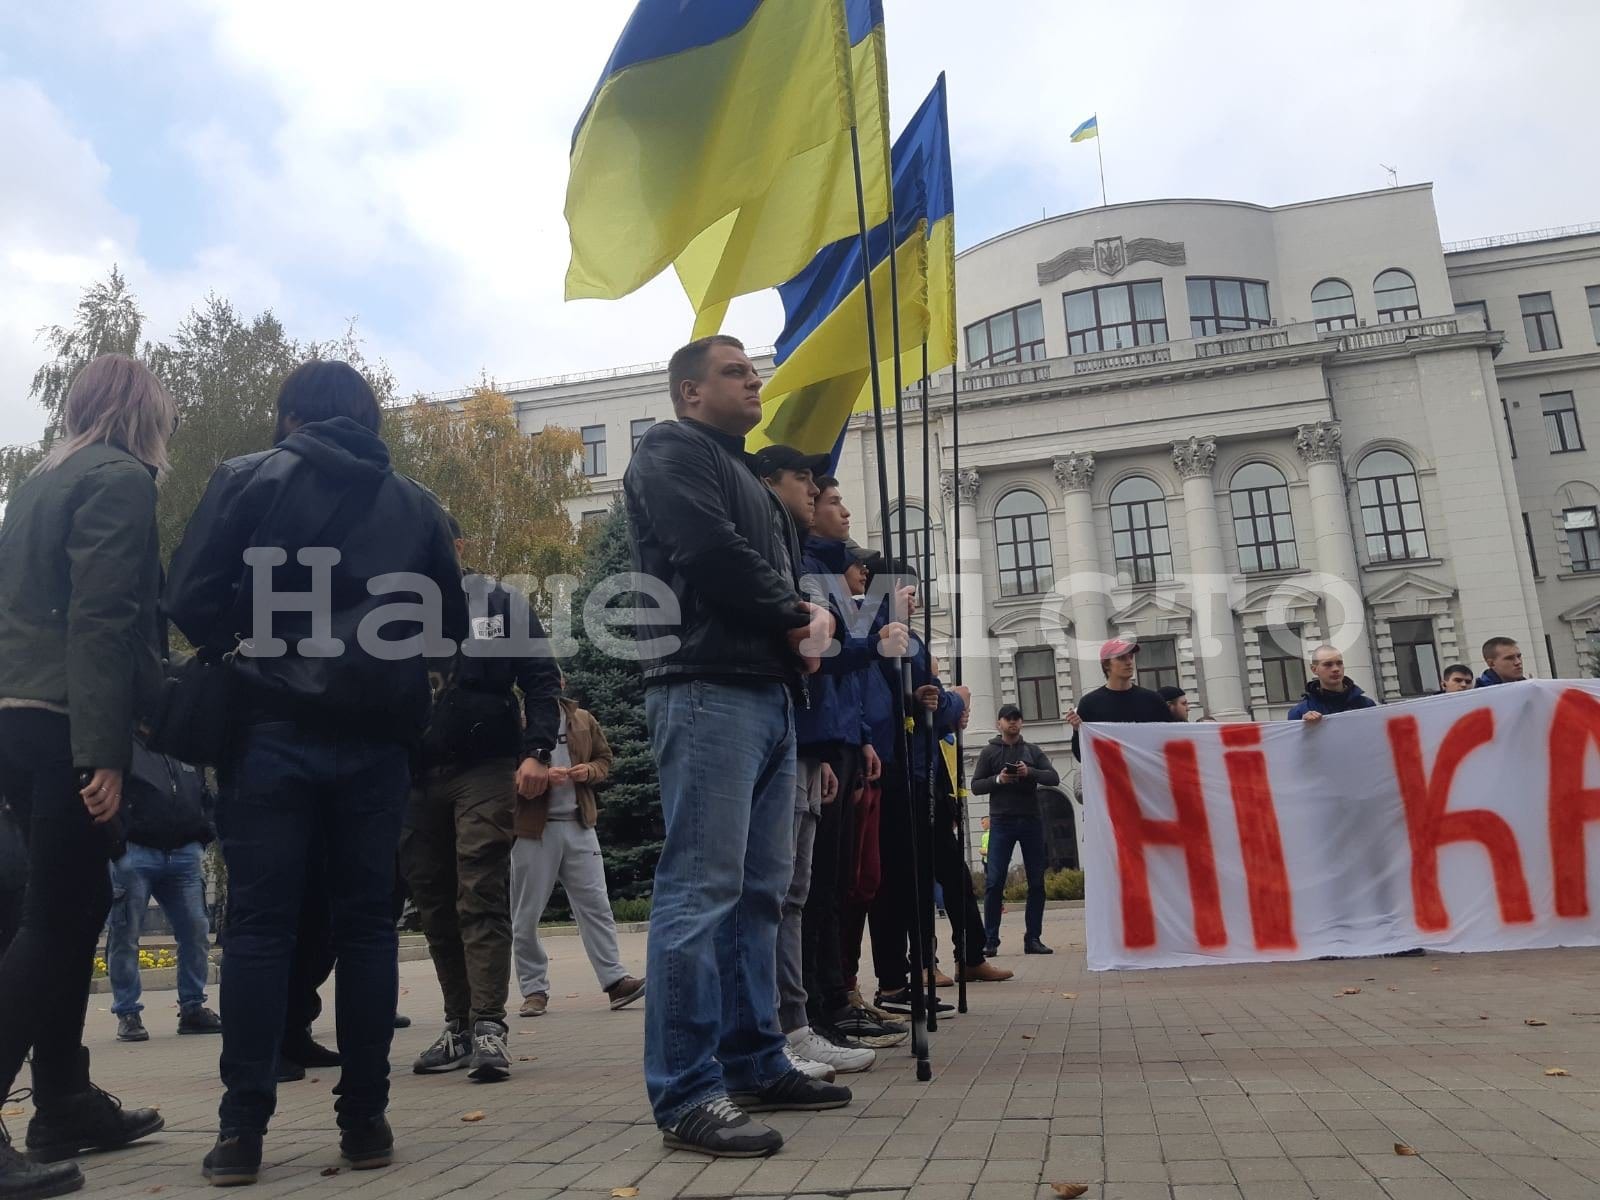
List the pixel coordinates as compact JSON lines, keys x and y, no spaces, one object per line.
{"x":282,"y":569}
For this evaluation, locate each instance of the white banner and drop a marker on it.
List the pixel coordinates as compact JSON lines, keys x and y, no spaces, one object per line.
{"x":1462,"y":822}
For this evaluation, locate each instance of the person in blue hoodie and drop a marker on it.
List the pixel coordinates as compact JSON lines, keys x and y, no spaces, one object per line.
{"x":1330,"y":691}
{"x":1502,"y":659}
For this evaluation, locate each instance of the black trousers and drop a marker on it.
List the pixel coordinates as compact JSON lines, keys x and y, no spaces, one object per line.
{"x":832,"y":859}
{"x":902,"y":833}
{"x":45,"y":973}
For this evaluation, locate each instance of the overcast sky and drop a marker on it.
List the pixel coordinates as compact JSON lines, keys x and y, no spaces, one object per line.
{"x":404,"y":164}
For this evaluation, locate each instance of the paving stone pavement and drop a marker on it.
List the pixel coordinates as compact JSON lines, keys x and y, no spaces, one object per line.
{"x":1217,"y":1083}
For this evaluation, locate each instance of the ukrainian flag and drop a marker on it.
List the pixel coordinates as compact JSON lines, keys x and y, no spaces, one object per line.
{"x":1089,"y":129}
{"x":771,"y":238}
{"x":822,"y":354}
{"x":703,"y":107}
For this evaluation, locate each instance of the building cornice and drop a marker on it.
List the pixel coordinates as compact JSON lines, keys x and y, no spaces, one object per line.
{"x":1589,"y":360}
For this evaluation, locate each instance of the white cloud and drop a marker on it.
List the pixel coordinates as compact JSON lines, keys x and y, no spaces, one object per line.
{"x":409,"y":167}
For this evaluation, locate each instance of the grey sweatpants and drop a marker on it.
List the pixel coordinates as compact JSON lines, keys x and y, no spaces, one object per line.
{"x":791,"y":980}
{"x":569,"y":854}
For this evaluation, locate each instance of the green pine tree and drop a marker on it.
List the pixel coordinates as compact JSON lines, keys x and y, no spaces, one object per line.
{"x":630,"y":823}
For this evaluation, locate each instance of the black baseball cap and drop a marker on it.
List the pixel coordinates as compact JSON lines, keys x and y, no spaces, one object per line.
{"x":1170,"y":693}
{"x":1009,"y":711}
{"x":876,"y":565}
{"x":769,"y":460}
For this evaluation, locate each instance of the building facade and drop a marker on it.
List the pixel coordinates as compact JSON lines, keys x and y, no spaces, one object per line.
{"x":1234,"y":432}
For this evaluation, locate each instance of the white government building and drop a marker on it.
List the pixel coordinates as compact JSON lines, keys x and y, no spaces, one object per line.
{"x":1179,"y":390}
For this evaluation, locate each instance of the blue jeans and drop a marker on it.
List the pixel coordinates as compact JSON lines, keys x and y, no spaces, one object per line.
{"x":294,"y":795}
{"x":725,"y":756}
{"x":174,"y":878}
{"x":1005,"y":834}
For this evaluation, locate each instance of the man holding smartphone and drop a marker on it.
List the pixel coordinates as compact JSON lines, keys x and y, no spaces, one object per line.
{"x":1010,"y":772}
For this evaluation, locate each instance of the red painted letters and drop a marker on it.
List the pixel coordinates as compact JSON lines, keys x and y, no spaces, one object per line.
{"x":1432,"y":827}
{"x":1573,"y":729}
{"x":1271,"y":906}
{"x":1190,"y":830}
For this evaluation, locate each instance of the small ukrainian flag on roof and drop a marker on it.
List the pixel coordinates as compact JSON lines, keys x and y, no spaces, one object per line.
{"x":1089,"y":129}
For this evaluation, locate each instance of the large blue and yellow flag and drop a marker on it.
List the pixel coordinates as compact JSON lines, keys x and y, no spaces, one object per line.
{"x":823,"y":359}
{"x":772,"y":237}
{"x":702,"y":108}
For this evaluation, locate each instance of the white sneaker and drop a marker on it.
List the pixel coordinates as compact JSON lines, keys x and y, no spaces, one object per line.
{"x":813,"y":1046}
{"x":805,"y":1066}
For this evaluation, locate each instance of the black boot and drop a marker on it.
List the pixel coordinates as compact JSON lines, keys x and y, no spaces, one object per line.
{"x":367,"y":1145}
{"x":300,"y":1047}
{"x":233,"y":1161}
{"x":91,"y":1120}
{"x":23,"y":1179}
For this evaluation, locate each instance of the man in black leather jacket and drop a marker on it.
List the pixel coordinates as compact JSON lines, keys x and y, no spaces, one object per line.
{"x":328,"y":699}
{"x":722,"y":656}
{"x":455,"y":850}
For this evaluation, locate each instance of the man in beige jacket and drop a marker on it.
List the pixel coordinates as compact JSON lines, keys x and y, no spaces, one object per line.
{"x":556,"y":843}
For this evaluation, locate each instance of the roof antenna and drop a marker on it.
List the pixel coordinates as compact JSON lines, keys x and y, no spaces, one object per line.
{"x":1394,"y":175}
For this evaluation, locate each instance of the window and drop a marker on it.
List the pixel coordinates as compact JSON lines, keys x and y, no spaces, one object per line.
{"x":1016,"y":335}
{"x":1139,"y":531}
{"x":1391,"y":508}
{"x":928,"y":573}
{"x":1282,"y":666}
{"x":1396,"y":294}
{"x":1415,"y":657}
{"x":637,"y":430}
{"x":1036,"y":685}
{"x":1022,"y":540}
{"x":1527,"y":532}
{"x":1539,"y":322}
{"x":1511,"y":434}
{"x":1583,"y":537}
{"x":1593,"y":296}
{"x":1561,"y":422}
{"x":1115,"y":316}
{"x":1475,"y":306}
{"x":594,"y":450}
{"x":1333,"y":306}
{"x":1157,"y":664}
{"x":591,"y":518}
{"x":1262,"y":526}
{"x":1227,"y":305}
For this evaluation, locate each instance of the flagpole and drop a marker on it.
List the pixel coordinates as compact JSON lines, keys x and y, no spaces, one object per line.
{"x":1100,"y":154}
{"x":919,"y":1031}
{"x":958,"y":647}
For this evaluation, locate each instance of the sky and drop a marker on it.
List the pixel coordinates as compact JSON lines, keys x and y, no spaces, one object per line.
{"x":403,"y":165}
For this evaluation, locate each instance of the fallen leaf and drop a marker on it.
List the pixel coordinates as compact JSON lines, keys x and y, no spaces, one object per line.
{"x":1027,"y":1037}
{"x":1560,"y":1071}
{"x":1483,"y":1016}
{"x":473,"y":1116}
{"x":524,"y":1058}
{"x":1069,"y":1190}
{"x":624,"y":1192}
{"x":1535,"y":1021}
{"x":329,"y":1171}
{"x":1404,"y":1151}
{"x":1069,"y":995}
{"x":1349,"y":991}
{"x":1433,"y":968}
{"x":1392,"y":988}
{"x":157,"y":1190}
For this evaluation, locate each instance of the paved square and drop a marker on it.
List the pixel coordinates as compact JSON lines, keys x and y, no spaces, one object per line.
{"x":1257,"y":1083}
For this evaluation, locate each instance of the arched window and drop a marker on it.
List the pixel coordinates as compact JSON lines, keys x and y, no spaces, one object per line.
{"x":927,"y":571}
{"x":1022,"y":540}
{"x":1263,"y":528}
{"x":1396,"y":293}
{"x":1333,"y":305}
{"x":1139,"y":531}
{"x":1391,"y":507}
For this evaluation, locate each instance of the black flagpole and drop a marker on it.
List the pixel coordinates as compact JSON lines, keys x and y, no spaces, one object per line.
{"x":935,"y":753}
{"x":919,"y":1032}
{"x":958,"y":667}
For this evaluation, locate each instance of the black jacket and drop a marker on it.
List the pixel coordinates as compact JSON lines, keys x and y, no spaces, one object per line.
{"x":165,"y":802}
{"x":327,"y":484}
{"x":80,"y":577}
{"x":1018,"y":798}
{"x":1350,"y":699}
{"x":476,"y":714}
{"x":702,"y":523}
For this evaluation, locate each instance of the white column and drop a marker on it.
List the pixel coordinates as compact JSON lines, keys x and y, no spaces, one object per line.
{"x":1344,"y":608}
{"x":1086,"y":591}
{"x":1216,"y":643}
{"x":966,"y":573}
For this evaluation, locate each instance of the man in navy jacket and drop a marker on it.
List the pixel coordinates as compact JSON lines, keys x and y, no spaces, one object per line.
{"x":1331,"y":691}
